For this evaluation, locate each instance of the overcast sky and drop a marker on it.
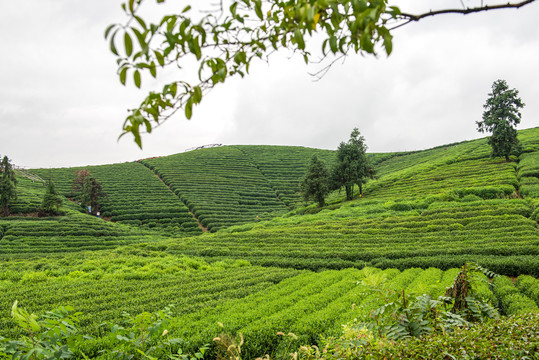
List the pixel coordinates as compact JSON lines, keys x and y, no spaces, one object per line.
{"x":61,"y":103}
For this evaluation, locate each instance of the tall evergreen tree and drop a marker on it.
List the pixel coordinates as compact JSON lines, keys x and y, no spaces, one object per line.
{"x":51,"y":200}
{"x":501,"y":116}
{"x":8,"y":185}
{"x":316,"y":184}
{"x":352,"y":167}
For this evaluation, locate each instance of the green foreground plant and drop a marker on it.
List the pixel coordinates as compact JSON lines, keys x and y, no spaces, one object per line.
{"x":55,"y":336}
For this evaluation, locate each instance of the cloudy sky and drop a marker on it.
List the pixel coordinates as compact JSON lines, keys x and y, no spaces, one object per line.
{"x":61,"y":103}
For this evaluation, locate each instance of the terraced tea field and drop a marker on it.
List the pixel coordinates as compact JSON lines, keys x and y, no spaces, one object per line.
{"x":305,"y":272}
{"x":220,"y":185}
{"x":284,"y":167}
{"x":496,"y":233}
{"x":74,"y":232}
{"x":134,"y":197}
{"x":254,"y":301}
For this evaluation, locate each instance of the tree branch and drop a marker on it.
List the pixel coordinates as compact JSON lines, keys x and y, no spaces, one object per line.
{"x":411,"y":17}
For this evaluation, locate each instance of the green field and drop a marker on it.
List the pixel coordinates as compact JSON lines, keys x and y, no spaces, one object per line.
{"x":270,"y":262}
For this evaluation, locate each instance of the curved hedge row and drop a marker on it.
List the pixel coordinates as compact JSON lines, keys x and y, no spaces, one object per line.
{"x":498,"y":233}
{"x":71,"y":233}
{"x":220,"y":185}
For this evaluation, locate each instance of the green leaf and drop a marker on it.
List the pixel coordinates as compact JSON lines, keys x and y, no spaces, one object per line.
{"x":240,"y":57}
{"x":333,"y":44}
{"x":160,"y":58}
{"x":233,"y":8}
{"x":195,"y":48}
{"x":128,"y":44}
{"x":141,"y":22}
{"x":141,"y":37}
{"x":186,"y":9}
{"x":108,"y":30}
{"x":136,"y":133}
{"x":123,"y":75}
{"x":258,"y":9}
{"x":188,"y":109}
{"x":153,"y":71}
{"x":136,"y":78}
{"x":112,"y":46}
{"x":299,"y":39}
{"x":197,"y":94}
{"x":388,"y":44}
{"x":148,"y":126}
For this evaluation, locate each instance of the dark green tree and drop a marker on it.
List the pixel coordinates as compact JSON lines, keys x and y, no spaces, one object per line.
{"x":316,"y":183}
{"x":87,"y":189}
{"x":51,"y":200}
{"x":501,"y":116}
{"x":8,"y":185}
{"x":92,"y":193}
{"x":352,"y":167}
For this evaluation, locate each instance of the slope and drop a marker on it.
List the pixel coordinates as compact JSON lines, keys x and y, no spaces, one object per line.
{"x":442,"y":210}
{"x":134,"y":197}
{"x":220,"y":185}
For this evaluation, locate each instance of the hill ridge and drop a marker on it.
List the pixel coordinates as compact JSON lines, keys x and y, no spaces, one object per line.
{"x":204,"y":229}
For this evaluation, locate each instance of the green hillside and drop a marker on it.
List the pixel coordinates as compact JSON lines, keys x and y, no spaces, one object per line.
{"x":284,"y":167}
{"x":220,"y":185}
{"x":134,"y":197}
{"x":73,"y":232}
{"x":307,"y":271}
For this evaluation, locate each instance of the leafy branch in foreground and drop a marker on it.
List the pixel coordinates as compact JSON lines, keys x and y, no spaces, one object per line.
{"x":225,"y":39}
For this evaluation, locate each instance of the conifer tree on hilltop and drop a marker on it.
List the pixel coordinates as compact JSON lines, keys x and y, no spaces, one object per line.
{"x":8,"y":185}
{"x":51,"y":200}
{"x":501,"y":116}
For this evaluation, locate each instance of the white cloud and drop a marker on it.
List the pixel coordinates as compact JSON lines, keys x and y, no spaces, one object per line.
{"x":61,"y":103}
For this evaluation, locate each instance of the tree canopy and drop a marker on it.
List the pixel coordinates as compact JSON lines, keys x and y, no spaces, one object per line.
{"x":352,"y":167}
{"x":501,"y":116}
{"x":225,"y":39}
{"x":88,"y":190}
{"x":316,"y":183}
{"x":51,"y":200}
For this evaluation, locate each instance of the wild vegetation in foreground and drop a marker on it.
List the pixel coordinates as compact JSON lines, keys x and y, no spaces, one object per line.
{"x":395,"y":248}
{"x":378,"y":306}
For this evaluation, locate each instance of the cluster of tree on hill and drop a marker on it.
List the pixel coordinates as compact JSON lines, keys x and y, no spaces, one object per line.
{"x":8,"y":192}
{"x":352,"y":168}
{"x":501,"y":116}
{"x":85,"y":188}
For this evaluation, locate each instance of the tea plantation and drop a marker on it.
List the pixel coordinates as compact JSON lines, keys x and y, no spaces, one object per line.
{"x":280,"y":272}
{"x":134,"y":197}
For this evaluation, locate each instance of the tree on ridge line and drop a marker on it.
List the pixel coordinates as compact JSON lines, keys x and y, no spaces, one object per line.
{"x":51,"y":200}
{"x":501,"y":116}
{"x":8,"y":185}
